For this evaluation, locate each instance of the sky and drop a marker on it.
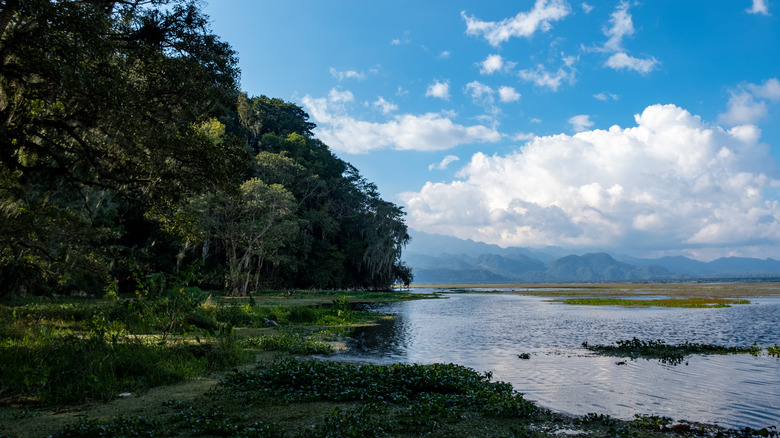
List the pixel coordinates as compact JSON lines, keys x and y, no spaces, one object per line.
{"x":643,"y":128}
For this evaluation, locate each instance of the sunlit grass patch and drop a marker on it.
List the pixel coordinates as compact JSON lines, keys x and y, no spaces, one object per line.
{"x":289,"y":342}
{"x":662,"y":302}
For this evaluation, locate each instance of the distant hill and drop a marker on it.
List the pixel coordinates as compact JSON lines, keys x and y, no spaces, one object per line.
{"x":440,"y":259}
{"x":601,"y":267}
{"x":436,"y":245}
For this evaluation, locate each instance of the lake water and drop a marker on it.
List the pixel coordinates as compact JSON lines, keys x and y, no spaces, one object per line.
{"x":488,"y":331}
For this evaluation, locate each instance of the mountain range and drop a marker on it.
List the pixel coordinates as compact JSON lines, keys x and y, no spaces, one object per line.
{"x":437,"y":259}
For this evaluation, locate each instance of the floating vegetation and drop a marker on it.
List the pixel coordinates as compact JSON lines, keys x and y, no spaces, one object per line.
{"x":415,"y":398}
{"x":665,"y":353}
{"x":524,"y":356}
{"x":773,"y":351}
{"x":663,"y":302}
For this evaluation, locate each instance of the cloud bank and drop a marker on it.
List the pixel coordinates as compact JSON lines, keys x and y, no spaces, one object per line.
{"x":671,"y":182}
{"x":420,"y":132}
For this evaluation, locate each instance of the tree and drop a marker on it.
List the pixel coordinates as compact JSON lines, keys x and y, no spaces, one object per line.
{"x":373,"y":231}
{"x":262,"y":115}
{"x":101,"y":106}
{"x":349,"y":237}
{"x":251,"y":225}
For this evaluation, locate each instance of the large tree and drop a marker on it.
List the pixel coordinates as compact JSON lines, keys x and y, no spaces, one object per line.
{"x":349,"y":237}
{"x":251,"y":226}
{"x":102,"y":113}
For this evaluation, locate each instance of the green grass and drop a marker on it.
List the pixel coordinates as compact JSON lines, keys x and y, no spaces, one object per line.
{"x":289,"y":342}
{"x":56,"y":351}
{"x":665,"y":302}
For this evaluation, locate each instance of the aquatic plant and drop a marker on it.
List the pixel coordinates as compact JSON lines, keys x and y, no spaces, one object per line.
{"x":357,"y":422}
{"x":666,"y":353}
{"x":420,"y":396}
{"x":220,"y":421}
{"x":593,"y":417}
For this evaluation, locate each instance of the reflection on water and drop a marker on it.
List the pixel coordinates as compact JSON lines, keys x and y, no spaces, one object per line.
{"x":487,"y":332}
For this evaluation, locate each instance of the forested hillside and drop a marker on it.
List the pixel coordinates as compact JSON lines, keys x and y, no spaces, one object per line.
{"x":129,"y":151}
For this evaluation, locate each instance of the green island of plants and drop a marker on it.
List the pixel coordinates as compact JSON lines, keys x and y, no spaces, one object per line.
{"x":664,"y":302}
{"x":672,"y":354}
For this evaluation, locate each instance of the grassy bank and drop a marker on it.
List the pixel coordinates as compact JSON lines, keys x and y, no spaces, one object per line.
{"x":189,"y":364}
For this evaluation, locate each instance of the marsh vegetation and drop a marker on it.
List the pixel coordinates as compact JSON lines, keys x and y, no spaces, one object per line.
{"x":666,"y":353}
{"x":118,"y":367}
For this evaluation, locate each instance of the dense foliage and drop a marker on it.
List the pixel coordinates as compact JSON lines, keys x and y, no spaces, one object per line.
{"x":127,"y":148}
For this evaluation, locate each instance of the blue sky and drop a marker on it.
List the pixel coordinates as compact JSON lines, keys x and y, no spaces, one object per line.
{"x":649,"y":128}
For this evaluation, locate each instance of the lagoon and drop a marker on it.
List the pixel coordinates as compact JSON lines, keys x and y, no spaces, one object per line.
{"x":487,"y":332}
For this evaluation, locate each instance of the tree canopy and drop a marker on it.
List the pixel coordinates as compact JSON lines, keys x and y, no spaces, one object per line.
{"x":125,"y":144}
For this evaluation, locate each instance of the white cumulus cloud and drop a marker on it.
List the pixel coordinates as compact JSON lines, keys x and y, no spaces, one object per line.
{"x":524,"y":24}
{"x":621,"y":25}
{"x":770,"y":90}
{"x":385,"y":106}
{"x":446,"y":161}
{"x":621,"y":60}
{"x":508,"y":94}
{"x":672,"y":182}
{"x":743,"y":108}
{"x":541,"y":77}
{"x":341,"y":96}
{"x":587,"y":8}
{"x":758,"y":7}
{"x":421,"y":132}
{"x":580,"y":122}
{"x":605,"y":96}
{"x":347,"y":74}
{"x":748,"y":103}
{"x":491,"y":64}
{"x":438,"y":89}
{"x":478,"y":90}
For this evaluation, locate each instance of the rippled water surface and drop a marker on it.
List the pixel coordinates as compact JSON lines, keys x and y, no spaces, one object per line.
{"x":488,"y":331}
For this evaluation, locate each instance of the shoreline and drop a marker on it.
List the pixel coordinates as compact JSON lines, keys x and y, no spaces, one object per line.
{"x":165,"y":403}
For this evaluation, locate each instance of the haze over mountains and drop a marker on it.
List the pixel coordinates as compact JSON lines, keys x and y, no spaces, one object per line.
{"x":438,"y":259}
